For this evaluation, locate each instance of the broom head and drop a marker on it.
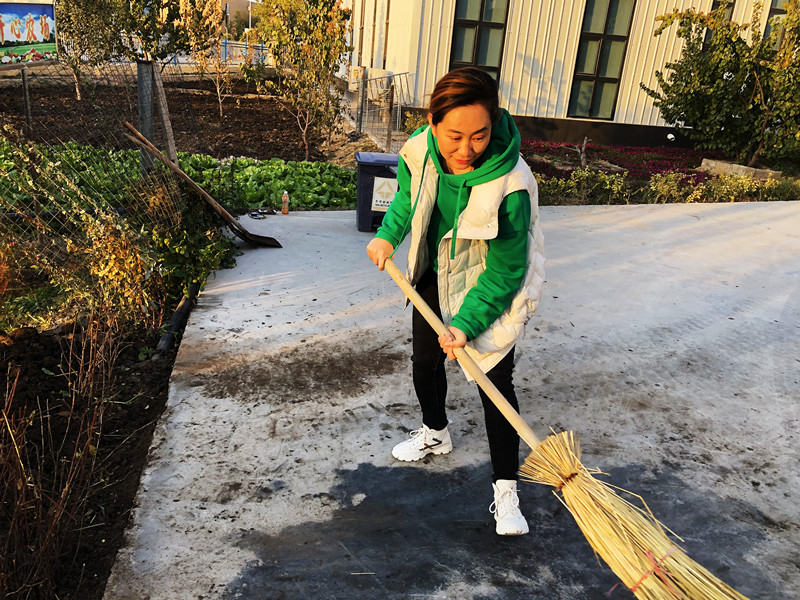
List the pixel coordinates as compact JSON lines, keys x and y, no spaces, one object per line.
{"x":628,"y":538}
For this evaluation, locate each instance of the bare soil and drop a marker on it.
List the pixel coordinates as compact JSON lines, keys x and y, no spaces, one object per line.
{"x":251,"y":125}
{"x":36,"y":361}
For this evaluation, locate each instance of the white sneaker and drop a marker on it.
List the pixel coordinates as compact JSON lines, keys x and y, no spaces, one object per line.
{"x":506,"y":508}
{"x":422,"y":442}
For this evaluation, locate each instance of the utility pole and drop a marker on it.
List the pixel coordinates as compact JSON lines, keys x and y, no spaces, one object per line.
{"x":250,"y":12}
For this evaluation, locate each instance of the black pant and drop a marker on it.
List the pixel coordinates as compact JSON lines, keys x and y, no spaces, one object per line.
{"x":430,"y":384}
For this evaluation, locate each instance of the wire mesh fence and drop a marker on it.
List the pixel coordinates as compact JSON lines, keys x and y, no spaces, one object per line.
{"x":80,"y":206}
{"x":84,"y":222}
{"x":376,"y":105}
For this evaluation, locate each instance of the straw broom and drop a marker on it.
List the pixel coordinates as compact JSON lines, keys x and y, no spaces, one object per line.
{"x":628,"y":538}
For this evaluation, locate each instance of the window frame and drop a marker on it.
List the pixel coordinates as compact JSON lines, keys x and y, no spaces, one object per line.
{"x":480,"y":26}
{"x":595,"y":78}
{"x":714,"y":6}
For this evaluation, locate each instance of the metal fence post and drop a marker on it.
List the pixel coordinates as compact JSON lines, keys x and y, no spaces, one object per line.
{"x":27,"y":99}
{"x":362,"y":94}
{"x":389,"y":121}
{"x":144,"y":80}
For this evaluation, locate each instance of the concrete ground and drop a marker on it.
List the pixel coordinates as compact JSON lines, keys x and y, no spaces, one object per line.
{"x":668,"y":338}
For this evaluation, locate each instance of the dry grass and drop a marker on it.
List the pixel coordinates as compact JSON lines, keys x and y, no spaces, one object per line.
{"x":48,"y":466}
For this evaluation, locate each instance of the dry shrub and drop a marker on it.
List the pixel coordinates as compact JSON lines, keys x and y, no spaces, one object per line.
{"x":118,"y":263}
{"x":49,"y":462}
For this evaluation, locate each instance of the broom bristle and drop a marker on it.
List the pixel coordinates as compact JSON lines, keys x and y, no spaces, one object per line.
{"x":628,"y":538}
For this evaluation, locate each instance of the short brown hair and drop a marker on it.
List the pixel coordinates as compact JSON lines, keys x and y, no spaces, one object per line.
{"x":464,"y":87}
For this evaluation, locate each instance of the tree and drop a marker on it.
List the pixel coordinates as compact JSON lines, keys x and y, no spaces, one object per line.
{"x":204,"y":23}
{"x":735,"y":90}
{"x":307,"y":40}
{"x":154,"y":26}
{"x":240,"y":23}
{"x":88,"y":34}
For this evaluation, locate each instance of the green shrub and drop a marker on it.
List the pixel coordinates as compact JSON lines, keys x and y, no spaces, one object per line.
{"x":727,"y":188}
{"x":556,"y":191}
{"x":413,"y":120}
{"x":733,"y":89}
{"x":741,"y":188}
{"x":39,"y":306}
{"x":667,"y":187}
{"x":780,"y":191}
{"x":585,"y":186}
{"x":95,"y":241}
{"x":188,"y":254}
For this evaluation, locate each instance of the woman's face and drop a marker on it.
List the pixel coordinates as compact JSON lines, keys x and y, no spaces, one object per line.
{"x":463,"y":136}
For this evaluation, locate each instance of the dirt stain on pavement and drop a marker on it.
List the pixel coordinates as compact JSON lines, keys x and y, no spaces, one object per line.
{"x":303,"y":373}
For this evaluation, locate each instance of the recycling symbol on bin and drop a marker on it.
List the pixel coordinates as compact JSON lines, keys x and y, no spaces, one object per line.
{"x":383,"y":191}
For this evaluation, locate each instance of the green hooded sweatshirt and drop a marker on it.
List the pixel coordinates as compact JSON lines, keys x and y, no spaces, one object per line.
{"x":507,"y":253}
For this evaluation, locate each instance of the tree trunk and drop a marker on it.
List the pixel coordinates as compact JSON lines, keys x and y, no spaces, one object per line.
{"x":304,"y":123}
{"x":764,"y":123}
{"x":755,"y":156}
{"x":76,"y":76}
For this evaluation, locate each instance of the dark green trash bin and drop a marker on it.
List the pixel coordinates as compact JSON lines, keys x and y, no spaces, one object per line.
{"x":376,"y":183}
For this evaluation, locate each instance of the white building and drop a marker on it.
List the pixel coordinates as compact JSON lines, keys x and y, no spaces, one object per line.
{"x":565,"y":68}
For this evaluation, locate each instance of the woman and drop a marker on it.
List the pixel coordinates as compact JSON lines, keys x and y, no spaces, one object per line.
{"x":476,"y":256}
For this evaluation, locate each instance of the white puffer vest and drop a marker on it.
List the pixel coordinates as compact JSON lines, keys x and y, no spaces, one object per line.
{"x":476,"y":224}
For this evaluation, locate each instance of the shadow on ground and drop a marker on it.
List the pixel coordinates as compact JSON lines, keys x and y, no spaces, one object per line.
{"x":408,"y":532}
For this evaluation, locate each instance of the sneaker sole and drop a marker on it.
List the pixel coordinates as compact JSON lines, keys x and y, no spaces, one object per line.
{"x":511,"y":531}
{"x":435,"y":451}
{"x":516,"y":532}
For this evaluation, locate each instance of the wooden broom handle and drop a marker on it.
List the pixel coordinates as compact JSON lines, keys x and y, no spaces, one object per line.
{"x":524,"y":431}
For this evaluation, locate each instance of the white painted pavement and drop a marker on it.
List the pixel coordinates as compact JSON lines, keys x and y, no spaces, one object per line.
{"x":668,"y":338}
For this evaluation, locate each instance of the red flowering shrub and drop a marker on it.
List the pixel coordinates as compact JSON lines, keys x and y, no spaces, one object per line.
{"x":640,"y":162}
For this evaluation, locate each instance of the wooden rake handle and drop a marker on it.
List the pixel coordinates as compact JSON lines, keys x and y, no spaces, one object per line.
{"x":524,"y":431}
{"x":146,"y":145}
{"x":253,"y":239}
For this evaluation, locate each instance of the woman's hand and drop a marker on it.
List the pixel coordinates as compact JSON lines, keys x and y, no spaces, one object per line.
{"x":454,"y":338}
{"x":379,"y":250}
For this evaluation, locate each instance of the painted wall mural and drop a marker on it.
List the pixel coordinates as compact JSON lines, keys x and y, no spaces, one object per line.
{"x":27,"y":32}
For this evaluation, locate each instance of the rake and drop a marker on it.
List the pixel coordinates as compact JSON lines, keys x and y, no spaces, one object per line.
{"x":628,"y":538}
{"x":253,"y":239}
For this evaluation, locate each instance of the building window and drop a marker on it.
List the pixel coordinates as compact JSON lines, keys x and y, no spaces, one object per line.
{"x":728,"y":14}
{"x":728,"y":9}
{"x":601,"y":52}
{"x":479,"y":31}
{"x":777,"y":10}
